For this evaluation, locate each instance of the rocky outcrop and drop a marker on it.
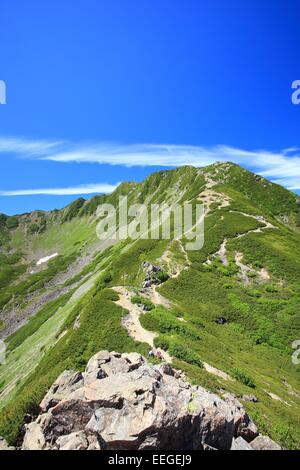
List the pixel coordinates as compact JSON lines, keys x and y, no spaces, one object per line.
{"x":123,"y":402}
{"x":264,"y":443}
{"x":240,"y":444}
{"x":250,"y":398}
{"x":66,"y":383}
{"x":243,"y":426}
{"x":154,"y":275}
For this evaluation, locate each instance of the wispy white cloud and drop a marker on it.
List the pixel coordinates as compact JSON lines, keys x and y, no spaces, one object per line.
{"x":281,"y":166}
{"x":101,"y":188}
{"x":29,"y":147}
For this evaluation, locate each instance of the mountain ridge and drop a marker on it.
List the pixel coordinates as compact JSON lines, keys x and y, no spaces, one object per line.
{"x":231,"y":307}
{"x":80,"y":201}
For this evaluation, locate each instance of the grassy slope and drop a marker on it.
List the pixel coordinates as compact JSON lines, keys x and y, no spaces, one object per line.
{"x":100,"y":329}
{"x":263,"y":319}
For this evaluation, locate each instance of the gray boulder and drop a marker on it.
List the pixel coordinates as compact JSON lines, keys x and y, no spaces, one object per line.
{"x":240,"y":444}
{"x":79,"y":440}
{"x":66,"y":383}
{"x":34,"y":438}
{"x":123,"y":402}
{"x":4,"y":445}
{"x":243,"y":425}
{"x":252,"y":398}
{"x":264,"y":443}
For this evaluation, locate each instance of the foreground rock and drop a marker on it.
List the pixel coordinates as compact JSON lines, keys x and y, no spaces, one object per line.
{"x":4,"y":445}
{"x":240,"y":444}
{"x":264,"y":443}
{"x":122,"y":402}
{"x":243,"y":426}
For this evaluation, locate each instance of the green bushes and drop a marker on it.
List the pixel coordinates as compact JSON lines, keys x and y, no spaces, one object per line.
{"x":258,"y":192}
{"x":10,"y":270}
{"x":105,"y":279}
{"x":173,"y":334}
{"x":143,"y":301}
{"x":91,"y":205}
{"x":185,"y":354}
{"x":162,"y":342}
{"x":33,"y":228}
{"x":243,"y":378}
{"x":237,"y":304}
{"x":161,"y":320}
{"x":178,"y":350}
{"x":3,"y":221}
{"x":256,"y":339}
{"x":73,"y":209}
{"x":127,"y":264}
{"x":271,"y":288}
{"x":4,"y":236}
{"x":276,"y":250}
{"x":12,"y":223}
{"x":218,"y":228}
{"x":162,"y":276}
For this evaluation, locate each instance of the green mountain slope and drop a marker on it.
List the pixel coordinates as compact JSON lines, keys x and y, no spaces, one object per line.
{"x":226,"y":314}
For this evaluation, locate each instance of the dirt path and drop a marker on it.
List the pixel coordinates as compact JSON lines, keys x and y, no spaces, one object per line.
{"x":132,"y":321}
{"x":244,"y":269}
{"x":217,"y":372}
{"x":276,"y":397}
{"x":188,"y":263}
{"x":156,"y":298}
{"x":221,"y":253}
{"x":132,"y":324}
{"x":209,"y":197}
{"x":260,"y":219}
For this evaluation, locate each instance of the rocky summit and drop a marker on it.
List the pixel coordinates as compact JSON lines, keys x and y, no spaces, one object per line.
{"x":122,"y":402}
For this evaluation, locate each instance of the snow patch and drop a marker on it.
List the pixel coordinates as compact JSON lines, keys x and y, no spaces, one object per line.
{"x":47,"y":258}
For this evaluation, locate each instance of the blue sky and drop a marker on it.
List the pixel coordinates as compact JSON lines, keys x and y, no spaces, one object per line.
{"x":100,"y":92}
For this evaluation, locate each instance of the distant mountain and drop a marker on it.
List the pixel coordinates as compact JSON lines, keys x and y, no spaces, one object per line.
{"x":226,"y":315}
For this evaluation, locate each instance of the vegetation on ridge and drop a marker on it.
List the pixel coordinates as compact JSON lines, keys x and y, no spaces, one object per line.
{"x":242,"y":324}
